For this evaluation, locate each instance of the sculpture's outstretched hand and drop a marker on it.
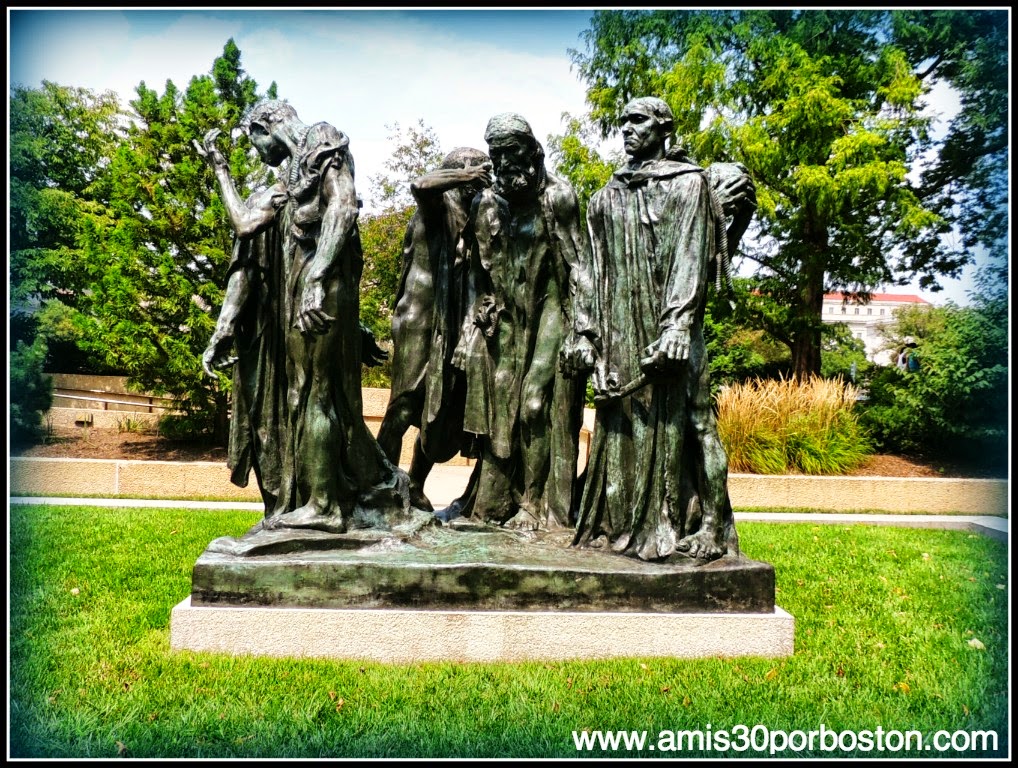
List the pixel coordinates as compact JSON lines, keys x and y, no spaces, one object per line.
{"x":208,"y":149}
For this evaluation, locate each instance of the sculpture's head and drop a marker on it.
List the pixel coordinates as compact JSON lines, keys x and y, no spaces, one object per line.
{"x":466,"y":157}
{"x":262,"y":123}
{"x":647,"y":122}
{"x":516,"y":154}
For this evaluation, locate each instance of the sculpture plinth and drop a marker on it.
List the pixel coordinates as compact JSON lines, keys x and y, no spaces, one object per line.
{"x":470,"y":592}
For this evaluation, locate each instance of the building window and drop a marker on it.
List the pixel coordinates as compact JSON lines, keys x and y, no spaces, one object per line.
{"x":869,"y":310}
{"x":881,"y":311}
{"x":843,"y":310}
{"x":857,"y":310}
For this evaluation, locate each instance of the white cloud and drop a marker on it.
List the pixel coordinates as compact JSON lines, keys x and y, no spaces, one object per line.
{"x":361,"y":71}
{"x":364,"y":76}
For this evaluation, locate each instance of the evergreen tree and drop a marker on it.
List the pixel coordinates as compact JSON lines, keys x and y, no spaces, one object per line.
{"x":157,"y":256}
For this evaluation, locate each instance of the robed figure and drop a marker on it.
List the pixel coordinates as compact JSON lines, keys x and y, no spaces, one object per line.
{"x":656,"y":480}
{"x":290,"y":325}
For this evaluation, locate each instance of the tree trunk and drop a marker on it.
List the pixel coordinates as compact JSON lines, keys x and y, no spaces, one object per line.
{"x":806,"y":337}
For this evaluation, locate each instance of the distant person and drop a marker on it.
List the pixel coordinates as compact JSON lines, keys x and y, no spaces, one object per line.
{"x":907,"y":359}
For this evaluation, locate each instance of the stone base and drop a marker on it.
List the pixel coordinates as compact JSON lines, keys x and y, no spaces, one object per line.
{"x":403,"y":636}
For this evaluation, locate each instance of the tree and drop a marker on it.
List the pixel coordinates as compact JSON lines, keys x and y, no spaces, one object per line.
{"x":736,"y":352}
{"x":61,"y":141}
{"x":825,"y":109}
{"x":31,"y":390}
{"x":968,"y":182}
{"x":842,"y":355}
{"x":956,"y":404}
{"x":572,"y":157}
{"x":415,"y":152}
{"x":157,"y":255}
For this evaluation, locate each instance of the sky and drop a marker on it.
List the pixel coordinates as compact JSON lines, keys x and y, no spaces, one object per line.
{"x":364,"y":71}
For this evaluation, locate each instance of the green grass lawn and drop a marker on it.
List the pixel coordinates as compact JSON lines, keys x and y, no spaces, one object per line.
{"x":896,"y":628}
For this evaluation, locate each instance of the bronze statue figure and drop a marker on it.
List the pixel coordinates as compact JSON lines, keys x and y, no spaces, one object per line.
{"x":656,"y":483}
{"x":291,"y":312}
{"x":427,"y":391}
{"x":528,"y":251}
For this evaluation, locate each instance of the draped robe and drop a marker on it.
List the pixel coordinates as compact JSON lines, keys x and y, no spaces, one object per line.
{"x":655,"y":462}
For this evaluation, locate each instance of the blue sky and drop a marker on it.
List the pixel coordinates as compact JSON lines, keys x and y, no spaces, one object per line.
{"x":361,"y":70}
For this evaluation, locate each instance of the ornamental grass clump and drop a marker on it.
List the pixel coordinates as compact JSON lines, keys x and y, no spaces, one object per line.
{"x":778,"y":426}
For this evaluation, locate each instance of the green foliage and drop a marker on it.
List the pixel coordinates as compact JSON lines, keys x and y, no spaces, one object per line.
{"x":783,"y":426}
{"x":31,"y":391}
{"x":382,"y":240}
{"x":956,"y":405}
{"x":61,"y":139}
{"x":968,"y":181}
{"x":377,"y":376}
{"x":185,"y":427}
{"x":824,"y":107}
{"x":156,"y":257}
{"x":874,"y":607}
{"x":415,"y":152}
{"x":842,"y":355}
{"x":735,"y":351}
{"x":572,"y":157}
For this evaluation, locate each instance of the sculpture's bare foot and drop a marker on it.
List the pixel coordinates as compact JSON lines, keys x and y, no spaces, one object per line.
{"x":309,"y":516}
{"x":702,"y":545}
{"x":524,"y":520}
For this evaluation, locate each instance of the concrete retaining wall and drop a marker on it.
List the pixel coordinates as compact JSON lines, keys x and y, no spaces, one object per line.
{"x":101,"y":415}
{"x":204,"y":479}
{"x":189,"y":480}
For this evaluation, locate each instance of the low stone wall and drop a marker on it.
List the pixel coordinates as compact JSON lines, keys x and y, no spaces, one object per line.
{"x":190,"y":480}
{"x":98,"y":414}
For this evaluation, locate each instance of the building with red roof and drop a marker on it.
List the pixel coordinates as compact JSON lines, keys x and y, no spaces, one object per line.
{"x":864,"y":320}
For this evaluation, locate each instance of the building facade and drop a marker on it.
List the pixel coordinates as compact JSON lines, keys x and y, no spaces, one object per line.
{"x":864,"y":320}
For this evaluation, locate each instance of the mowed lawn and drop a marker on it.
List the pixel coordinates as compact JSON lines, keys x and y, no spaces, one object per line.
{"x":896,"y":629}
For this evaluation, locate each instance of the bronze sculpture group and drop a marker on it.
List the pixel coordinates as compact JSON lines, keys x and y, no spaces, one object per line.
{"x":507,"y":303}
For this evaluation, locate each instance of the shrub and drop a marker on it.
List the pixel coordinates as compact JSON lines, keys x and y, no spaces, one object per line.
{"x":31,"y":390}
{"x":186,"y":427}
{"x":955,"y":406}
{"x":775,"y":426}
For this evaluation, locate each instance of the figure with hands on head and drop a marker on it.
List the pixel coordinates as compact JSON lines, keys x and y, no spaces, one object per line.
{"x":427,"y":390}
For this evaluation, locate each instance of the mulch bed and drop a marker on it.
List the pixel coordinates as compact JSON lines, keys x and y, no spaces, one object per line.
{"x":90,"y":443}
